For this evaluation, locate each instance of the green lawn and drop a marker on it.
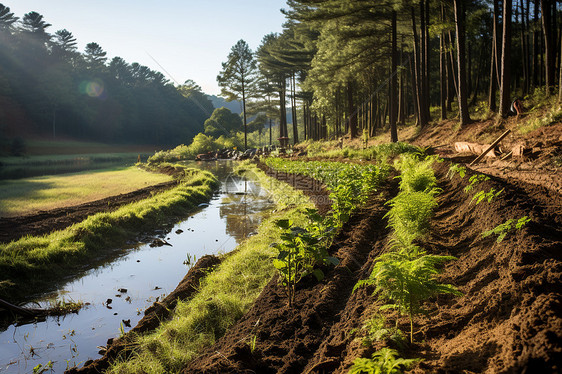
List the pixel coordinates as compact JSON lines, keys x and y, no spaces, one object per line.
{"x":29,"y":195}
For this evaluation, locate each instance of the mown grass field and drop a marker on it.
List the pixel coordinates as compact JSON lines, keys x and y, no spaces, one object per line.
{"x":29,"y":195}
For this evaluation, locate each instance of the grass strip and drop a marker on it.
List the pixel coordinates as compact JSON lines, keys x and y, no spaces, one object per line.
{"x":28,"y":263}
{"x":225,"y":294}
{"x":29,"y":195}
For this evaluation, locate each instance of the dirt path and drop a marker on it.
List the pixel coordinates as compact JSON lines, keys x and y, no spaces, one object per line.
{"x":44,"y":222}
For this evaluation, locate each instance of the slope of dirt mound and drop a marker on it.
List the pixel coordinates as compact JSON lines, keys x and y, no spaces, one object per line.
{"x":286,"y":339}
{"x":13,"y":228}
{"x":509,"y":318}
{"x":541,"y":163}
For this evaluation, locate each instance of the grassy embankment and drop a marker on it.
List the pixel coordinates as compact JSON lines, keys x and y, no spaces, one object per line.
{"x":28,"y":264}
{"x":224,"y":295}
{"x":29,"y":195}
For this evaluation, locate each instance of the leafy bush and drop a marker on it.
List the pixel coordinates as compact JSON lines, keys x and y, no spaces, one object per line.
{"x":410,"y":215}
{"x":416,"y":175}
{"x":300,"y":254}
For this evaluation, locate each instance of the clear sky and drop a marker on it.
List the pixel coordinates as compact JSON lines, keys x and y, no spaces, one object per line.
{"x":188,"y":38}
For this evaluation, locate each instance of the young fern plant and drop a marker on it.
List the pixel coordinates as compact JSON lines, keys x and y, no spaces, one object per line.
{"x":383,"y":361}
{"x":407,"y":281}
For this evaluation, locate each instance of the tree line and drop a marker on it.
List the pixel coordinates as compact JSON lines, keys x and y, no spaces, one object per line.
{"x":356,"y":67}
{"x":50,"y":89}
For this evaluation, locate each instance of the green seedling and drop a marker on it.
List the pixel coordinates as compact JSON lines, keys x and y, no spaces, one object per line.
{"x":488,"y":196}
{"x":456,"y":169}
{"x":505,"y":228}
{"x":376,"y":331}
{"x":407,"y":282}
{"x":383,"y":361}
{"x":475,"y":180}
{"x":299,"y":255}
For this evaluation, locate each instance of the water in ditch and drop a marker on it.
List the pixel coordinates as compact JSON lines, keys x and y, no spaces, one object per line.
{"x":121,"y":288}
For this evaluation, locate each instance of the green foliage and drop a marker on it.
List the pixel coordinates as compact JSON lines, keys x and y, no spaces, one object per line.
{"x":383,"y":361}
{"x":455,"y":168}
{"x":222,"y":122}
{"x":299,"y":254}
{"x":505,"y":228}
{"x":376,"y":331}
{"x":416,"y":175}
{"x":410,"y":215}
{"x":488,"y":196}
{"x":407,"y":282}
{"x":381,"y":154}
{"x":475,"y":180}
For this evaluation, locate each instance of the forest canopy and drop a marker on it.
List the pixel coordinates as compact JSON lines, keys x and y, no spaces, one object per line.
{"x":50,"y":89}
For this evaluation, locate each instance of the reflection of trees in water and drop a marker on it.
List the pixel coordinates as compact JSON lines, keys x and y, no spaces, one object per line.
{"x":243,"y":214}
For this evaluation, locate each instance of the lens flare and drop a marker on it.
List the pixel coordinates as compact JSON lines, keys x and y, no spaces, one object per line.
{"x":93,"y":88}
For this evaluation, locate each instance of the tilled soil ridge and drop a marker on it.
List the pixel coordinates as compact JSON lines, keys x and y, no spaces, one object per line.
{"x":287,"y":339}
{"x":508,"y":320}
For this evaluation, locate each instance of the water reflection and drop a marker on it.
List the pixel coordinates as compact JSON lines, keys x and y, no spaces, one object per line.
{"x":147,"y":273}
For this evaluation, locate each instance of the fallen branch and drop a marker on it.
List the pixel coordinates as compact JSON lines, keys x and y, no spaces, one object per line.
{"x":492,"y":146}
{"x":21,"y":311}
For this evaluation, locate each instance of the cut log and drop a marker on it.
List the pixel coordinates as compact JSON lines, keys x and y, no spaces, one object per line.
{"x":492,"y":146}
{"x":474,"y":148}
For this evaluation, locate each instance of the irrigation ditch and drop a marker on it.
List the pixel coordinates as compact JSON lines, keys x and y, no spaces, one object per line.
{"x":116,"y":288}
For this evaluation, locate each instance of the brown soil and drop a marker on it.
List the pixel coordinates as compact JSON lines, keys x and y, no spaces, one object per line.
{"x":13,"y":228}
{"x":540,"y":165}
{"x":509,"y":318}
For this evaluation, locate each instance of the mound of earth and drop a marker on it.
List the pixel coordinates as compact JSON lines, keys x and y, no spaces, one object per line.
{"x":509,"y":318}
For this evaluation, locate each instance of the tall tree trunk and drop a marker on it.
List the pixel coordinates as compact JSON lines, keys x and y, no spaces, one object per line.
{"x":294,"y":109}
{"x":424,"y":83}
{"x":417,"y":78}
{"x":352,"y":119}
{"x":461,"y":60}
{"x":244,"y":112}
{"x":536,"y":49}
{"x":524,"y":50}
{"x":393,"y":100}
{"x":443,"y":69}
{"x":493,"y":82}
{"x":560,"y":78}
{"x":549,"y":51}
{"x":505,"y":89}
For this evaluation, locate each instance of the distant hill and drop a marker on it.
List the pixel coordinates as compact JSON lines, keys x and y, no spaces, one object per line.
{"x":219,"y":102}
{"x":236,"y":106}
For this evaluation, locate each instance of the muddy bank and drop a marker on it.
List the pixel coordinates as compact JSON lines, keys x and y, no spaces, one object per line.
{"x":509,"y":318}
{"x":13,"y":228}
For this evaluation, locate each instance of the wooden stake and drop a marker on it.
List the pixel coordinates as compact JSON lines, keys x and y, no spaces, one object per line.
{"x":492,"y":146}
